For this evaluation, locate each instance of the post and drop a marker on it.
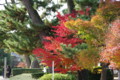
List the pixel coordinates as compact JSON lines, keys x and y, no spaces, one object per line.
{"x":118,"y":74}
{"x":52,"y":70}
{"x":5,"y":66}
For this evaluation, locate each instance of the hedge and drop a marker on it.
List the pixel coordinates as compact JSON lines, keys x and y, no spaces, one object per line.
{"x":17,"y":71}
{"x":57,"y":76}
{"x":37,"y":75}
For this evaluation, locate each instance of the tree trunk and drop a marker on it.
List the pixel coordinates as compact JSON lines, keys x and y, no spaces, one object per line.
{"x":79,"y":77}
{"x":104,"y":72}
{"x":70,"y":5}
{"x":6,"y":2}
{"x":112,"y":74}
{"x":36,"y":20}
{"x":35,"y":64}
{"x":118,"y":74}
{"x":83,"y":75}
{"x":27,"y":60}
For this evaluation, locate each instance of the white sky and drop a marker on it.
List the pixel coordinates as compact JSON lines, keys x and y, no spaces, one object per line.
{"x":39,"y":11}
{"x":55,"y":1}
{"x":2,"y":2}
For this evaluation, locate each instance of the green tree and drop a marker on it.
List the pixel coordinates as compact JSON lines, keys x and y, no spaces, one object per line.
{"x":18,"y":36}
{"x":20,"y":33}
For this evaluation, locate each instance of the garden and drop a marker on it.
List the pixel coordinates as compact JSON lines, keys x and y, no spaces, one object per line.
{"x":60,"y":39}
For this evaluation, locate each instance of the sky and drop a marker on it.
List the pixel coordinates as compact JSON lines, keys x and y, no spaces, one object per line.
{"x":40,"y":11}
{"x":55,"y":1}
{"x":2,"y":2}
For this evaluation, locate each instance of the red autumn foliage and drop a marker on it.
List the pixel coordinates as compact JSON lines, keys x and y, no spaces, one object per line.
{"x":52,"y":46}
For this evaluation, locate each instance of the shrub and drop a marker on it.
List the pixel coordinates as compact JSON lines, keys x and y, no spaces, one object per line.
{"x":37,"y":75}
{"x":0,"y":71}
{"x":16,"y":71}
{"x":58,"y":76}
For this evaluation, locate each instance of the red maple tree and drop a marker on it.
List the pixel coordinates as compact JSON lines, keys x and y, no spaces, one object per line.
{"x":52,"y":46}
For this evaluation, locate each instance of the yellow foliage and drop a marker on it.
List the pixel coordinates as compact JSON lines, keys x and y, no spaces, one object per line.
{"x":77,"y":24}
{"x":93,"y":32}
{"x":87,"y":58}
{"x":109,"y":12}
{"x":98,"y":22}
{"x":87,"y":30}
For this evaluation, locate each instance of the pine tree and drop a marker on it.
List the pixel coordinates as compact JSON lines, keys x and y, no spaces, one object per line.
{"x":18,"y":35}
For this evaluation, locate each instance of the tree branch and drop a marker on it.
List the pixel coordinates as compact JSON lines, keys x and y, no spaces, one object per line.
{"x":32,"y":12}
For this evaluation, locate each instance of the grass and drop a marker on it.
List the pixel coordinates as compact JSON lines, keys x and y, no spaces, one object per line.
{"x":22,"y":77}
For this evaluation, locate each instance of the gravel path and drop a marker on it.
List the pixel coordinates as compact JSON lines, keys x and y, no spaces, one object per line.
{"x":1,"y":78}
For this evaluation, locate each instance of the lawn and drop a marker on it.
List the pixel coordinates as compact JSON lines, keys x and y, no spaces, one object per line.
{"x":22,"y":77}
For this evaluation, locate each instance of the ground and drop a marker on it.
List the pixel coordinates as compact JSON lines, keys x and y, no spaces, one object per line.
{"x":27,"y":77}
{"x":1,"y":78}
{"x":20,"y":77}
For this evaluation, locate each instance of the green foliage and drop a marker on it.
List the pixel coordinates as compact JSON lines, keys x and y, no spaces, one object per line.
{"x":37,"y":75}
{"x":18,"y":35}
{"x":48,"y":6}
{"x":84,"y":17}
{"x":70,"y":52}
{"x":17,"y":71}
{"x":20,"y":43}
{"x":12,"y":18}
{"x":2,"y":37}
{"x":81,"y":4}
{"x":87,"y":2}
{"x":58,"y":76}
